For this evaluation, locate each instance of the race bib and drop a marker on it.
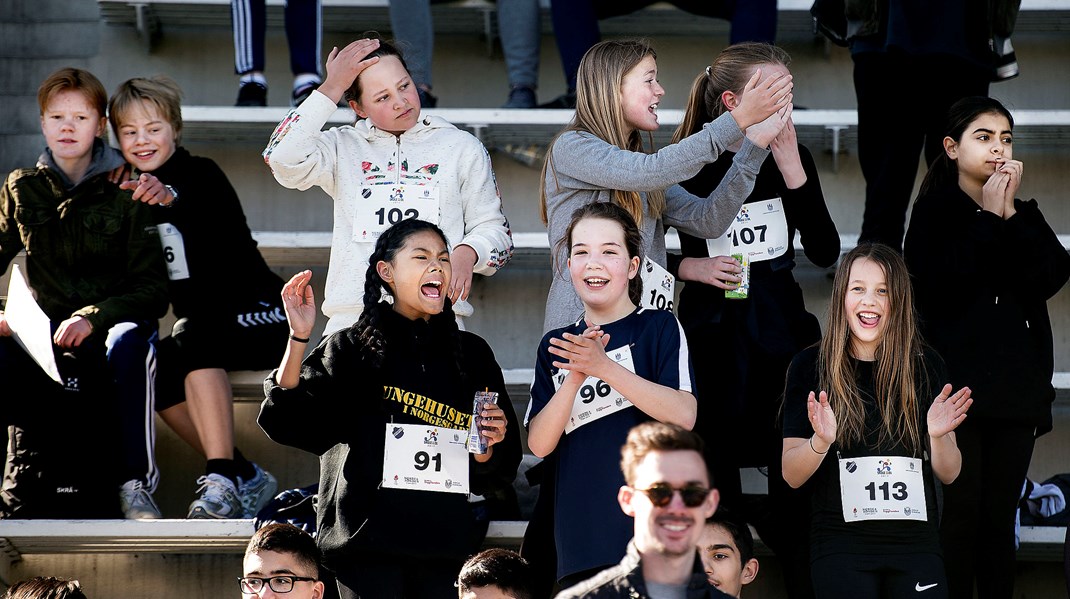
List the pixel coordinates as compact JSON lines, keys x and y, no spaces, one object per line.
{"x":174,"y":252}
{"x":386,"y":205}
{"x":882,"y":488}
{"x":420,"y":457}
{"x":596,"y":399}
{"x":659,"y":287}
{"x":759,"y":230}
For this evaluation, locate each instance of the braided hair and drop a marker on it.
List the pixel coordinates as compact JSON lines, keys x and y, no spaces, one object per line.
{"x":372,"y":340}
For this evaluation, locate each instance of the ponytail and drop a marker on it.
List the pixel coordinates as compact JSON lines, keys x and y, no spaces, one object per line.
{"x":696,"y":113}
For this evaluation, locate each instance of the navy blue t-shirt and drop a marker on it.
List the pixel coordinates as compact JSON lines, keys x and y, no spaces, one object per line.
{"x":590,"y":529}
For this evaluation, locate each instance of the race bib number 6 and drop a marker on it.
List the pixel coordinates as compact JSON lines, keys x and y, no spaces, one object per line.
{"x":882,"y":488}
{"x":419,"y":457}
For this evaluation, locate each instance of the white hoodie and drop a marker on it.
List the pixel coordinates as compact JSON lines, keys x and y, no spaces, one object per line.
{"x":346,"y":160}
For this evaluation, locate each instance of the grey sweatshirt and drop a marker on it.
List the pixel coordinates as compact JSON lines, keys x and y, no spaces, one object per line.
{"x":584,"y":168}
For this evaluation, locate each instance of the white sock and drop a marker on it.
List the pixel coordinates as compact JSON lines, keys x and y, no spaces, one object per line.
{"x":252,"y":78}
{"x":306,"y":79}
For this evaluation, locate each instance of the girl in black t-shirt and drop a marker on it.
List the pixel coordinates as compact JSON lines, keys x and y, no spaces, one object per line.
{"x":873,"y":529}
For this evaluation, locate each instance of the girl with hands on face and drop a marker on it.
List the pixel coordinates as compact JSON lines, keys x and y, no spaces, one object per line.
{"x":617,"y":366}
{"x":394,"y":163}
{"x":407,"y":370}
{"x":984,"y":265}
{"x":868,"y":421}
{"x":752,"y":340}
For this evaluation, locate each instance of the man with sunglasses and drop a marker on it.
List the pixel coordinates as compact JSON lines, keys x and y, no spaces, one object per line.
{"x":669,"y":496}
{"x":281,"y":561}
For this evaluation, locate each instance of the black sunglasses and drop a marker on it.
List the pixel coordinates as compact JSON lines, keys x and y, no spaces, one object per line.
{"x":660,"y":494}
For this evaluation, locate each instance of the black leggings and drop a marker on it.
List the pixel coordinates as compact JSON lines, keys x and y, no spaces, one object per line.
{"x":893,"y":576}
{"x":977,"y":531}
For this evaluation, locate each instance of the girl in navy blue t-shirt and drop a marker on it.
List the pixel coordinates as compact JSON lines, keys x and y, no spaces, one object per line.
{"x":595,"y":379}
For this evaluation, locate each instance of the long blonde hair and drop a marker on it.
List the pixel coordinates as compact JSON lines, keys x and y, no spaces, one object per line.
{"x":899,"y":354}
{"x":730,"y":71}
{"x":599,"y":112}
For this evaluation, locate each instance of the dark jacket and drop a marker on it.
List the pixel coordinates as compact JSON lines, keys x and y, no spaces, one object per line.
{"x":219,"y":248}
{"x":339,"y":411}
{"x":981,"y":286}
{"x":625,"y":580}
{"x":90,"y":250}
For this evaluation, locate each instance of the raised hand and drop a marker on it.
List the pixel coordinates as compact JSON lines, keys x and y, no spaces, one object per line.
{"x":762,"y":134}
{"x":345,"y":65}
{"x":762,"y":98}
{"x":822,"y":418}
{"x":948,"y":411}
{"x":1013,"y":170}
{"x":584,"y":355}
{"x":785,"y":149}
{"x":300,"y":304}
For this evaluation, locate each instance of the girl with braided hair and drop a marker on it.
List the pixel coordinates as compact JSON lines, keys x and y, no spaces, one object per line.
{"x":394,"y":518}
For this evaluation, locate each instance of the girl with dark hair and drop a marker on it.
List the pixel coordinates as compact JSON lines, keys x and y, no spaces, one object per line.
{"x":615,"y":367}
{"x":872,"y":392}
{"x":45,"y":587}
{"x":394,"y":518}
{"x":968,"y":232}
{"x":393,"y":163}
{"x":752,"y":339}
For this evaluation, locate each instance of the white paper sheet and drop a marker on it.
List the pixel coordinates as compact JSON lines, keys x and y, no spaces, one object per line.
{"x":29,"y":324}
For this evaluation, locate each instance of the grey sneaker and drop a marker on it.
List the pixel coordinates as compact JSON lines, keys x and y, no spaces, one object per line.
{"x":219,"y":499}
{"x":137,"y":503}
{"x":257,"y":491}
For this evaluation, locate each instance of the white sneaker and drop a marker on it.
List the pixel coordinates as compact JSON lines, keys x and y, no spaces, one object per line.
{"x":137,"y":503}
{"x":257,"y":491}
{"x":219,"y":499}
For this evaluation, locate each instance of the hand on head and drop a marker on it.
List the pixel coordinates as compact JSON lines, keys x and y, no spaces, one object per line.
{"x":300,"y":304}
{"x":762,"y":98}
{"x":345,"y":65}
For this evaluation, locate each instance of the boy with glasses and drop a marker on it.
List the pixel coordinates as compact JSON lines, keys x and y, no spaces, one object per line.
{"x":281,"y":560}
{"x":668,"y":494}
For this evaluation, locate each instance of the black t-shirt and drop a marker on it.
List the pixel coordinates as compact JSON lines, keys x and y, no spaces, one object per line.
{"x":830,"y":534}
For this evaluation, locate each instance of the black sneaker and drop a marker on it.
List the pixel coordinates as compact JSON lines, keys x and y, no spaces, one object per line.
{"x":426,"y":99}
{"x":302,"y":93}
{"x":520,"y":97}
{"x":564,"y":101}
{"x":252,"y":94}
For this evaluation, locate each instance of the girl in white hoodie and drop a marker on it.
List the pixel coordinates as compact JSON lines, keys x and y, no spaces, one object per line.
{"x":391,"y":165}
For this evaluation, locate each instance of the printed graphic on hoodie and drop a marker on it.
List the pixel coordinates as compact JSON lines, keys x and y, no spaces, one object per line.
{"x":428,"y":410}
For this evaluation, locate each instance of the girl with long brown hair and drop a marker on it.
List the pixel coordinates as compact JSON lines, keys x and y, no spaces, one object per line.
{"x":867,"y":423}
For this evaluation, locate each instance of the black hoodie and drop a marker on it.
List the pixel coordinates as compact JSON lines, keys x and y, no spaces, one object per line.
{"x":339,"y":411}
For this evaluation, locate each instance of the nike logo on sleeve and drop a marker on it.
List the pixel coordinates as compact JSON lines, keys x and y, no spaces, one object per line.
{"x":919,"y":588}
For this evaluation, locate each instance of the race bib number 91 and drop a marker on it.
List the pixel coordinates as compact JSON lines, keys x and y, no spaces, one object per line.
{"x":419,"y":457}
{"x":882,"y":488}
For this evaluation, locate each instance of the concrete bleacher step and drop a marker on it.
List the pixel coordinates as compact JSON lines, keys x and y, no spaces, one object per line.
{"x":832,"y":129}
